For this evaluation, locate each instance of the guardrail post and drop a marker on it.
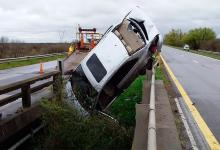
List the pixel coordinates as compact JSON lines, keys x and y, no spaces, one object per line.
{"x":149,"y":75}
{"x":58,"y":86}
{"x":147,"y":87}
{"x":60,"y":66}
{"x":55,"y":85}
{"x":26,"y":96}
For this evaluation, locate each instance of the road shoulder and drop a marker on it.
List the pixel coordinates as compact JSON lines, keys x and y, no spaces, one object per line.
{"x":167,"y":135}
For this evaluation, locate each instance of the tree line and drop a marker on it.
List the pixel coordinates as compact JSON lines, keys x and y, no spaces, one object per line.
{"x":198,"y":38}
{"x":17,"y":48}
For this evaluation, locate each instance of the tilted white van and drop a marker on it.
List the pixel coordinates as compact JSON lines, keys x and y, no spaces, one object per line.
{"x":125,"y":50}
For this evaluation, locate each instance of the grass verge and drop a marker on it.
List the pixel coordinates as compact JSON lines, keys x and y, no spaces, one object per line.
{"x":66,"y":128}
{"x":20,"y":63}
{"x":159,"y":75}
{"x":208,"y":54}
{"x":123,"y":108}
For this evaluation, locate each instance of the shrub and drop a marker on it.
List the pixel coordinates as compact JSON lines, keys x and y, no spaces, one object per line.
{"x":174,"y":38}
{"x":68,"y":129}
{"x":198,"y":35}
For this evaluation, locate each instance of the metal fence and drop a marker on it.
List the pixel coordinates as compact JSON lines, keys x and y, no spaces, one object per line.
{"x":5,"y":60}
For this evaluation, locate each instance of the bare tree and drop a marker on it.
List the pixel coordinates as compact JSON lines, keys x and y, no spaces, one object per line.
{"x":17,"y":41}
{"x":3,"y":44}
{"x":4,"y":39}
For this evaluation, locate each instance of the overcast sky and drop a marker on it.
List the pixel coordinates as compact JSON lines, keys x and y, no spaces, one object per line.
{"x":47,"y":20}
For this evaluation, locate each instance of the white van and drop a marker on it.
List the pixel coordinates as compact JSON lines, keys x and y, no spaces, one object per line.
{"x":186,"y":47}
{"x":125,"y":50}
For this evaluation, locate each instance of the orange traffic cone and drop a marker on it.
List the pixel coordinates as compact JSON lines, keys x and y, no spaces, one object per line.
{"x":41,"y":68}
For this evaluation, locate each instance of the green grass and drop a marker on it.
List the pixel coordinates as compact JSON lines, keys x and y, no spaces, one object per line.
{"x":68,"y":129}
{"x":123,"y":108}
{"x":159,"y":75}
{"x":20,"y":63}
{"x":208,"y":54}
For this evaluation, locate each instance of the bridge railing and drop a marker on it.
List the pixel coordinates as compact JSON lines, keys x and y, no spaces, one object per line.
{"x":26,"y":89}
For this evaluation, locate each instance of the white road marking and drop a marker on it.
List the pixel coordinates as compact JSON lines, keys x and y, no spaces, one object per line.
{"x":195,"y":61}
{"x":188,"y":131}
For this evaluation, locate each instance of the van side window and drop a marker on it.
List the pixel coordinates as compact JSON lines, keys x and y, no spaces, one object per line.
{"x":96,"y":68}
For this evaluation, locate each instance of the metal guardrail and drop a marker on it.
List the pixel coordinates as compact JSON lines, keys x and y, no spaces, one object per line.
{"x":5,"y":60}
{"x":145,"y":130}
{"x":151,"y":144}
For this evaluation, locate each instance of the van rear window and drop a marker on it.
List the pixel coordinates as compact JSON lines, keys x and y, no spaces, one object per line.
{"x":96,"y":68}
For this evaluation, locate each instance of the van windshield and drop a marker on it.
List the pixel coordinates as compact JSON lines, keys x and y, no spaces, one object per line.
{"x":130,"y":36}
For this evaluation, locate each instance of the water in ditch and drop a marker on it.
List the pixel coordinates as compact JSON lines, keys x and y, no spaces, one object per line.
{"x":72,"y":100}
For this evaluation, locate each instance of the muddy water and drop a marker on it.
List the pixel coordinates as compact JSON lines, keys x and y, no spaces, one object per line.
{"x":72,"y":100}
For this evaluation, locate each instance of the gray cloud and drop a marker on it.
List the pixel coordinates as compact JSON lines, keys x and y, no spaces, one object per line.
{"x":42,"y":21}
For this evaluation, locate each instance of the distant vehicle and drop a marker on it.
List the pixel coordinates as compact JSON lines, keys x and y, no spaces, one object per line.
{"x":125,"y":50}
{"x":186,"y":47}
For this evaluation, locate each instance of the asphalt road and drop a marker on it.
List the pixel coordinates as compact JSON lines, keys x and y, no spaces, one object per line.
{"x":200,"y":77}
{"x":22,"y":71}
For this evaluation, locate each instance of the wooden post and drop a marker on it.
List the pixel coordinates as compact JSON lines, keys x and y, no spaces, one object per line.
{"x":55,"y":83}
{"x":60,"y":66}
{"x":26,"y":96}
{"x":58,"y":87}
